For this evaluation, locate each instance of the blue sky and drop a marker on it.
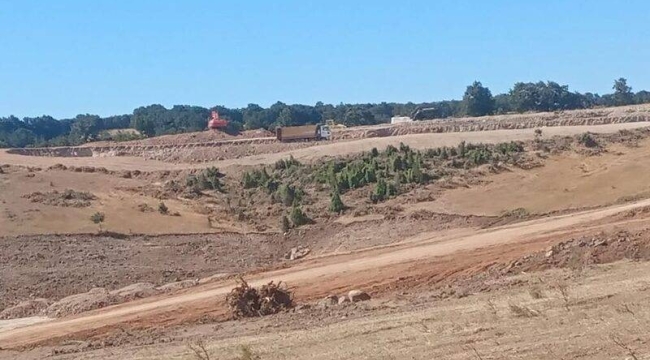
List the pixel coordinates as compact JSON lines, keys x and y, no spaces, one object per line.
{"x":67,"y":57}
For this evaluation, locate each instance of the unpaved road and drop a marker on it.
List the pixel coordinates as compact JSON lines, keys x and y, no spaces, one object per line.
{"x":418,"y":141}
{"x":306,"y":273}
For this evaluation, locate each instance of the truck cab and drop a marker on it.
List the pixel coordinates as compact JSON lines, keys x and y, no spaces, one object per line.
{"x":325,"y":132}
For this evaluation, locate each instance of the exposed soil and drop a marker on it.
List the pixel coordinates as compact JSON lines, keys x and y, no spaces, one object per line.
{"x":67,"y":198}
{"x":507,"y":259}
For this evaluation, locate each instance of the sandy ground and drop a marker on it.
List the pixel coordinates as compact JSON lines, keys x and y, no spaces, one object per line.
{"x":335,"y":270}
{"x":419,"y":141}
{"x":604,"y":317}
{"x":19,"y":216}
{"x":600,"y":315}
{"x":569,"y":181}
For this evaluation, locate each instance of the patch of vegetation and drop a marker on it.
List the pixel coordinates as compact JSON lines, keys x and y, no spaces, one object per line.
{"x":336,"y":204}
{"x":67,"y":198}
{"x":285,"y":225}
{"x":98,"y":218}
{"x":208,"y":179}
{"x":518,"y":213}
{"x":298,"y":217}
{"x":163,"y":209}
{"x":246,"y":301}
{"x":587,"y":140}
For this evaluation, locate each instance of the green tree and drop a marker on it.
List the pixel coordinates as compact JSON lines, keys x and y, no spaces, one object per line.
{"x":298,"y":217}
{"x":98,"y":218}
{"x":380,"y":192}
{"x":478,"y":100}
{"x":336,"y":204}
{"x":622,"y":92}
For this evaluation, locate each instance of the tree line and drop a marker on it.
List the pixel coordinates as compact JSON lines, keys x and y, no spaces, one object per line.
{"x":154,"y":120}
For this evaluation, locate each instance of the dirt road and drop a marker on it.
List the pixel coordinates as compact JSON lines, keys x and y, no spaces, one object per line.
{"x":304,"y":274}
{"x":312,"y":153}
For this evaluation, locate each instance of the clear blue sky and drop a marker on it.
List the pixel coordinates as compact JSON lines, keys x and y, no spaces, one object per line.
{"x":106,"y":57}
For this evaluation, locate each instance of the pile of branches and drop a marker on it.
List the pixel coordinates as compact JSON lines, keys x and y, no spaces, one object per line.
{"x":246,"y":301}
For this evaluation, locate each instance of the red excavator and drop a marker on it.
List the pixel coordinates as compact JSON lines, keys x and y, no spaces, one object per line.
{"x":216,"y":122}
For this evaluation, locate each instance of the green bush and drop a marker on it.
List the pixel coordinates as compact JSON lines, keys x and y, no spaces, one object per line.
{"x":380,"y":192}
{"x":208,"y":179}
{"x":163,"y":209}
{"x":587,"y":140}
{"x":289,"y":195}
{"x":98,"y":217}
{"x":287,"y":163}
{"x":507,"y":148}
{"x":298,"y":217}
{"x":336,"y":204}
{"x":390,"y":150}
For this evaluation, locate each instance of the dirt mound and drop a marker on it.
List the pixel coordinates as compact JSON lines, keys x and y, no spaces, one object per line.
{"x":246,"y":301}
{"x":188,"y":138}
{"x":67,"y":198}
{"x":588,"y":250}
{"x":25,"y":309}
{"x":135,"y":291}
{"x":179,"y":285}
{"x":75,"y":304}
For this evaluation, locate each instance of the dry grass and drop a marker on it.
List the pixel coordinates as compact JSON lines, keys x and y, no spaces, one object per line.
{"x":536,"y":292}
{"x":563,"y":290}
{"x":246,"y":353}
{"x":199,"y":350}
{"x":246,"y":301}
{"x":620,"y":343}
{"x":523,"y":311}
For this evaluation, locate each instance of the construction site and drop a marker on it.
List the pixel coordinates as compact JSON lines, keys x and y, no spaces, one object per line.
{"x":498,"y":237}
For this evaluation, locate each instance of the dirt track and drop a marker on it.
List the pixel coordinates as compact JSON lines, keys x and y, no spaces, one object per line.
{"x":331,"y":272}
{"x":314,"y":152}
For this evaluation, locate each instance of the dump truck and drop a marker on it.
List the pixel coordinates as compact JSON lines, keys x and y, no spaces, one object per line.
{"x":303,"y":133}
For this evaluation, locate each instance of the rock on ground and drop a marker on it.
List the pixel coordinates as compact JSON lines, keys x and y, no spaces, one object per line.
{"x":358,"y":295}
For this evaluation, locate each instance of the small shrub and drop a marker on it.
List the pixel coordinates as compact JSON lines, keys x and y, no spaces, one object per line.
{"x":336,"y":204}
{"x":536,"y":292}
{"x":199,"y":350}
{"x":163,"y":209}
{"x":587,"y":140}
{"x":404,"y":148}
{"x":298,"y":217}
{"x":246,"y":301}
{"x":247,"y":353}
{"x":285,"y":225}
{"x":288,"y":195}
{"x":208,"y":179}
{"x":380,"y":192}
{"x":287,"y":163}
{"x":98,"y":218}
{"x":523,"y":311}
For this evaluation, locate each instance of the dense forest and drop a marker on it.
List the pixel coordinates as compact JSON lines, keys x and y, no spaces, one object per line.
{"x":154,"y":120}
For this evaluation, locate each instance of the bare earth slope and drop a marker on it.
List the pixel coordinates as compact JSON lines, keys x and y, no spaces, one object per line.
{"x":311,"y":153}
{"x":334,"y":270}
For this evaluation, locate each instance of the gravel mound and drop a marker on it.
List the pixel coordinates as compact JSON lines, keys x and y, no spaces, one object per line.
{"x":135,"y":291}
{"x":75,"y":304}
{"x":25,"y":309}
